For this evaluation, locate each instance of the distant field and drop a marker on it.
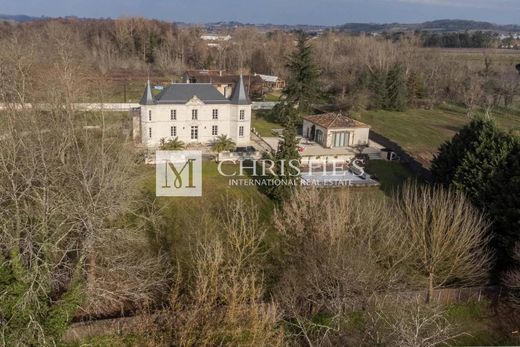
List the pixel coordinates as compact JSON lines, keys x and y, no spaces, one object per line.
{"x":421,"y":132}
{"x":499,"y":56}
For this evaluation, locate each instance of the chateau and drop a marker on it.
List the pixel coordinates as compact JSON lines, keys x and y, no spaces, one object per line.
{"x":194,"y":113}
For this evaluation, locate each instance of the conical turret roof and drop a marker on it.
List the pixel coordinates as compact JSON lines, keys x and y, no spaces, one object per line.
{"x":147,"y":98}
{"x":240,"y":96}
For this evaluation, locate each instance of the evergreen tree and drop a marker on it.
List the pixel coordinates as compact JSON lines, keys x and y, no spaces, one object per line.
{"x":484,"y":163}
{"x":302,"y":85}
{"x":472,"y":158}
{"x":378,"y":87}
{"x":396,"y":91}
{"x":287,"y":153}
{"x":504,"y":194}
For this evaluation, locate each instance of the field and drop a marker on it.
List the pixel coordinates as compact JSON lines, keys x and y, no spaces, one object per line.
{"x":421,"y":132}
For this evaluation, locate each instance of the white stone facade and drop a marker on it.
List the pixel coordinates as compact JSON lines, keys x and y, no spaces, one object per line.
{"x":195,"y":122}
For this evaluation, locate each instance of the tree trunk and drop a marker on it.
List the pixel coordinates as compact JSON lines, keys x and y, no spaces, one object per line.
{"x":91,"y":268}
{"x":429,"y":297}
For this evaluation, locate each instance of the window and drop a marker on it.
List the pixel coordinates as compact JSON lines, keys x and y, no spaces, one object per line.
{"x":241,"y":131}
{"x":341,"y":139}
{"x":150,"y":115}
{"x":214,"y":130}
{"x":242,"y":114}
{"x":215,"y":114}
{"x":194,"y":114}
{"x":195,"y":133}
{"x":150,"y":132}
{"x":173,"y":115}
{"x":173,"y":131}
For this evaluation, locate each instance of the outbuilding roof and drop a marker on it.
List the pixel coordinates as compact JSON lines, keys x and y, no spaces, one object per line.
{"x":335,"y":121}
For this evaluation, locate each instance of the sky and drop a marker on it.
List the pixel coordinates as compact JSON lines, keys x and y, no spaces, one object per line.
{"x":322,"y":12}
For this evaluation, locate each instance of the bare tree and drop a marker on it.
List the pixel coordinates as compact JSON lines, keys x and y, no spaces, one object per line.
{"x":446,"y":234}
{"x":410,"y":324}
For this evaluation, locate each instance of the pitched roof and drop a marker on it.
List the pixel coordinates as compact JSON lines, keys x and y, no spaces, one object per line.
{"x":219,"y":77}
{"x":268,"y":78}
{"x":181,"y":93}
{"x":334,"y":121}
{"x":240,"y":96}
{"x":147,"y":98}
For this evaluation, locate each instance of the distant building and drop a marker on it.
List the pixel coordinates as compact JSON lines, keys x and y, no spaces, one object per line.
{"x":272,"y":82}
{"x":216,"y":38}
{"x":194,"y":113}
{"x":256,"y":84}
{"x":224,"y":81}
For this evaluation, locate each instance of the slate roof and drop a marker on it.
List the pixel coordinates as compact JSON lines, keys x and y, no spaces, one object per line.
{"x":240,"y":96}
{"x":181,"y":93}
{"x":147,"y":98}
{"x":335,"y":121}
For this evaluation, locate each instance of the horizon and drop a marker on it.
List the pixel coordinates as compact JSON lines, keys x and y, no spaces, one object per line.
{"x":260,"y":23}
{"x":289,"y":12}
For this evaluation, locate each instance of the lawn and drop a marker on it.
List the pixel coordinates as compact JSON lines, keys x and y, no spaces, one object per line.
{"x":185,"y":215}
{"x":421,"y":132}
{"x":263,"y":125}
{"x":391,"y":175}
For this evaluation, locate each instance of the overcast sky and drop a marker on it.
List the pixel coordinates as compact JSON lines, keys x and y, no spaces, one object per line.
{"x":328,"y":12}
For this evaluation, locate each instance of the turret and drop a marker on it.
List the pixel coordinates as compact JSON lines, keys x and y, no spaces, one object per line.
{"x":240,"y":96}
{"x":147,"y":98}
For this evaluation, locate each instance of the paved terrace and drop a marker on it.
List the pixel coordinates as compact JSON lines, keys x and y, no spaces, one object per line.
{"x":313,"y":149}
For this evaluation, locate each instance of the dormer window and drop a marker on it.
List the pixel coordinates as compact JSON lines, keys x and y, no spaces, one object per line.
{"x":194,"y":114}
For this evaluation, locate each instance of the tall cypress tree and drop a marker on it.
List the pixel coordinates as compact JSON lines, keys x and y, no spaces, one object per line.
{"x":302,"y":85}
{"x":287,"y":153}
{"x":396,"y":89}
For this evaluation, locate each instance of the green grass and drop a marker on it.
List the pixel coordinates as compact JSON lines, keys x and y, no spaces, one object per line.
{"x":391,"y":175}
{"x":421,"y":132}
{"x":262,"y":125}
{"x":185,"y":214}
{"x":480,"y":325}
{"x":273,"y":96}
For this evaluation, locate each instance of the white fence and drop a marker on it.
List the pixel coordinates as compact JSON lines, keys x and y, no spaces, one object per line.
{"x":119,"y":107}
{"x":122,"y":107}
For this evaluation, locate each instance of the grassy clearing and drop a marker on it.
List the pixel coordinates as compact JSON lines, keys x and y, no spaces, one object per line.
{"x":421,"y":132}
{"x":263,"y":125}
{"x":185,"y":214}
{"x":391,"y":175}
